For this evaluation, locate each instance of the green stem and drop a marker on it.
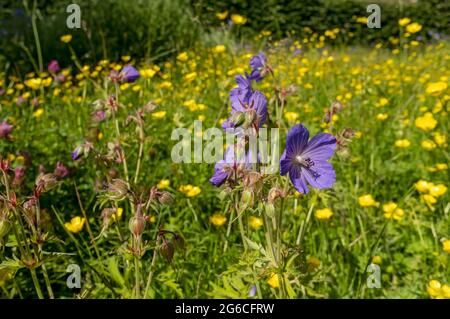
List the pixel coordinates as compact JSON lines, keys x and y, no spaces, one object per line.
{"x":150,"y":274}
{"x":36,"y":37}
{"x":36,"y":283}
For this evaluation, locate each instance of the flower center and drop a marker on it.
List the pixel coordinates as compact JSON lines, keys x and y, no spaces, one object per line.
{"x":307,"y":162}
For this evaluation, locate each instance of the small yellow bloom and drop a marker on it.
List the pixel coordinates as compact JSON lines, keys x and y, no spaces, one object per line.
{"x":429,"y":199}
{"x":164,"y":183}
{"x":367,"y":201}
{"x":376,"y":259}
{"x":404,"y":21}
{"x":426,"y":122}
{"x":382,"y":116}
{"x":34,"y":83}
{"x":402,"y":143}
{"x":136,"y":88}
{"x":291,"y":116}
{"x":117,"y":214}
{"x":75,"y":225}
{"x":255,"y":222}
{"x":441,"y":166}
{"x":219,"y":48}
{"x":273,"y":281}
{"x":383,"y":101}
{"x":422,"y":186}
{"x":183,"y":57}
{"x":438,"y":291}
{"x":66,"y":38}
{"x":217,"y":219}
{"x":437,"y":190}
{"x":413,"y":27}
{"x":159,"y":115}
{"x":147,"y":73}
{"x":439,"y":138}
{"x":222,"y":15}
{"x":126,"y":58}
{"x":436,"y":88}
{"x":323,"y":214}
{"x":428,"y":145}
{"x":38,"y":113}
{"x":238,"y":19}
{"x":165,"y":85}
{"x":190,"y":190}
{"x":446,"y":245}
{"x":190,"y":76}
{"x":391,"y":210}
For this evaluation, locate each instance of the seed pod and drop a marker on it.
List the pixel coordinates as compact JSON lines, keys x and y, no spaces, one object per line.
{"x":167,"y":250}
{"x":45,"y":182}
{"x":117,"y":189}
{"x":165,"y":198}
{"x":137,"y":225}
{"x":178,"y":242}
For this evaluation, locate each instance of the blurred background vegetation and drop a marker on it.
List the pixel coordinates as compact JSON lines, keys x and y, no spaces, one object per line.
{"x":146,"y":29}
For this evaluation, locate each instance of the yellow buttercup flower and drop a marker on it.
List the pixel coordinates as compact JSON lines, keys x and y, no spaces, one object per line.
{"x":255,"y":222}
{"x":391,"y":211}
{"x":323,"y":214}
{"x":402,"y":143}
{"x":382,"y":116}
{"x":125,"y":58}
{"x":446,"y":245}
{"x":428,"y":145}
{"x":422,"y":186}
{"x":436,"y":88}
{"x":159,"y":115}
{"x":164,"y":183}
{"x":222,"y":15}
{"x":291,"y":116}
{"x":438,"y":291}
{"x":404,"y":21}
{"x":66,"y":38}
{"x":76,"y":224}
{"x":190,"y":190}
{"x":273,"y":281}
{"x":34,"y":83}
{"x":190,"y":76}
{"x":426,"y":122}
{"x":38,"y":113}
{"x":183,"y":57}
{"x":238,"y":19}
{"x":367,"y":201}
{"x":439,"y":138}
{"x":376,"y":259}
{"x":413,"y":27}
{"x":217,"y":219}
{"x":219,"y":48}
{"x":441,"y":166}
{"x":429,"y":199}
{"x":147,"y":73}
{"x":437,"y":190}
{"x":117,"y":214}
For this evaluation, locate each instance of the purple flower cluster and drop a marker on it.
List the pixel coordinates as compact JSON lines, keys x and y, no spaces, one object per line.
{"x":248,"y":111}
{"x":306,"y":161}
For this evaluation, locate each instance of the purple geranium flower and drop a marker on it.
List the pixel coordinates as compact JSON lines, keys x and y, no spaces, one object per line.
{"x":235,"y":161}
{"x":306,"y":162}
{"x":258,"y":63}
{"x":5,"y":129}
{"x":128,"y":74}
{"x":242,"y":92}
{"x":76,"y":154}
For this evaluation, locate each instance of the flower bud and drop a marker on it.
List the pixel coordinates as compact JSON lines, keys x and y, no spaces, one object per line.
{"x":250,"y":117}
{"x":167,"y":250}
{"x":270,"y":210}
{"x":5,"y":227}
{"x":137,"y":225}
{"x":247,"y":197}
{"x":274,"y":193}
{"x":238,"y":119}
